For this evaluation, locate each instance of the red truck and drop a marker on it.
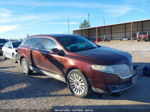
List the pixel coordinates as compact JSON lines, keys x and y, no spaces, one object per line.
{"x":143,"y":36}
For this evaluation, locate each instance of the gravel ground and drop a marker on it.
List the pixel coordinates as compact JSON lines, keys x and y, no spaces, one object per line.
{"x":37,"y":91}
{"x":130,"y":46}
{"x":140,"y":51}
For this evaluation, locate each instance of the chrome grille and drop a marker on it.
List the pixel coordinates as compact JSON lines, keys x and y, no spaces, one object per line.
{"x":123,"y":70}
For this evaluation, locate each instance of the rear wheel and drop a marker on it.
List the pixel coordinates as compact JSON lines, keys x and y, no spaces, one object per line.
{"x":78,"y":84}
{"x":25,"y":67}
{"x":4,"y":57}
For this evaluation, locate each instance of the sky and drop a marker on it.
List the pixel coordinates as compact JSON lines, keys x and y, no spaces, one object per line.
{"x":21,"y":17}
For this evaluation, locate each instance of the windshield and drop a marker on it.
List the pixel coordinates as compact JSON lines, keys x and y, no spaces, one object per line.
{"x":16,"y":44}
{"x":143,"y":33}
{"x":75,"y":43}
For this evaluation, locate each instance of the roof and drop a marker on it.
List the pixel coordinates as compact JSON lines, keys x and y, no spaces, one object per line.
{"x":53,"y":35}
{"x":60,"y":35}
{"x":15,"y":41}
{"x":113,"y":24}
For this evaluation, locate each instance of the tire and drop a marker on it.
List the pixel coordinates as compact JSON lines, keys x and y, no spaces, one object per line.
{"x":138,"y":40}
{"x":14,"y":58}
{"x":145,"y":40}
{"x":4,"y":56}
{"x":25,"y":67}
{"x":146,"y":71}
{"x":149,"y":39}
{"x":78,"y":83}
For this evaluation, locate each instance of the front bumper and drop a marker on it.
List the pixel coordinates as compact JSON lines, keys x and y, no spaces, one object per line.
{"x":122,"y":87}
{"x":110,"y":83}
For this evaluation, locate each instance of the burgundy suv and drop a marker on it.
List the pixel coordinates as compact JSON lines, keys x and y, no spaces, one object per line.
{"x":73,"y":59}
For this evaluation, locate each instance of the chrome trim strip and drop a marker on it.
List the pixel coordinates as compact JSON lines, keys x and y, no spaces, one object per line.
{"x":55,"y":76}
{"x":98,"y":90}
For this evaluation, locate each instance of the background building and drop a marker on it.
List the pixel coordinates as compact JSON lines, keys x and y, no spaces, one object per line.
{"x":115,"y":31}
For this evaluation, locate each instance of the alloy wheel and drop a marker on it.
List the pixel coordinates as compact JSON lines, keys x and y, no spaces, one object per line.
{"x":24,"y":66}
{"x":77,"y":84}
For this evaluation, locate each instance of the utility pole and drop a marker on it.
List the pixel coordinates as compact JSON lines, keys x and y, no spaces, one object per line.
{"x":104,"y":21}
{"x":131,"y":33}
{"x":88,"y":17}
{"x":104,"y":28}
{"x":68,"y":25}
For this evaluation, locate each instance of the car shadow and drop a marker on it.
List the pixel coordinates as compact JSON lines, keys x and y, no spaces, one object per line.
{"x":7,"y":67}
{"x":15,"y":86}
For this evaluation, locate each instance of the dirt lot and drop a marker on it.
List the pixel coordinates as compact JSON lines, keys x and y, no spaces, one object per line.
{"x":37,"y":91}
{"x":139,"y":50}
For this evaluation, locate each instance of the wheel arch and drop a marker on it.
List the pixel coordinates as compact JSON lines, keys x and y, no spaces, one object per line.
{"x":21,"y":58}
{"x":13,"y":53}
{"x":72,"y":68}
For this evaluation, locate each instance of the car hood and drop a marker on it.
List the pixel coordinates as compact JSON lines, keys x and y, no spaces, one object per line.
{"x":105,"y":56}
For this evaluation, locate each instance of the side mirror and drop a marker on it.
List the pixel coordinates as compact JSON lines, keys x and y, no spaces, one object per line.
{"x":58,"y":51}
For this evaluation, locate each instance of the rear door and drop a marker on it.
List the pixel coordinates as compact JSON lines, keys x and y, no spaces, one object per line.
{"x":24,"y":50}
{"x":36,"y":46}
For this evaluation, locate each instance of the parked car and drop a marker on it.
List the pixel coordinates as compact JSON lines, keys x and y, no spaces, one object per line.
{"x":2,"y":42}
{"x":10,"y":50}
{"x":143,"y":36}
{"x":73,"y":59}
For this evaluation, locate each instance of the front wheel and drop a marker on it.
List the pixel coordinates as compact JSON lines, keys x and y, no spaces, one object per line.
{"x":78,"y":84}
{"x":25,"y":67}
{"x":14,"y":58}
{"x":138,"y":40}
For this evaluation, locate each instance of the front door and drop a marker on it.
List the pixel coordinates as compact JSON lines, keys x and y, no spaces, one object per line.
{"x":52,"y":62}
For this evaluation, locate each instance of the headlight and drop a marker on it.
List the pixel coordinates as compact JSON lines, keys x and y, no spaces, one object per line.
{"x":103,"y":68}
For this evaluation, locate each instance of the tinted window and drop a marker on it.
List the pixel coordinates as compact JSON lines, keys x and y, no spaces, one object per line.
{"x":143,"y":33}
{"x":26,"y":42}
{"x":36,"y":43}
{"x":16,"y":44}
{"x":6,"y":45}
{"x":49,"y":44}
{"x":9,"y":45}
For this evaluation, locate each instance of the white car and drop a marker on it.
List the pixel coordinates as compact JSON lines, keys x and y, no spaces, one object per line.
{"x":9,"y":50}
